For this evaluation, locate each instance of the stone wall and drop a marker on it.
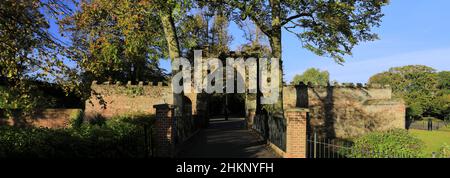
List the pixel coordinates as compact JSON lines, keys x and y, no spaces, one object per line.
{"x":48,"y":118}
{"x":112,"y":99}
{"x":348,"y":110}
{"x":115,"y":99}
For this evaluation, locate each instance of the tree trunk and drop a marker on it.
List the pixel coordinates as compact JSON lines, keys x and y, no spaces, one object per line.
{"x":275,"y":45}
{"x":174,"y":52}
{"x":170,"y":34}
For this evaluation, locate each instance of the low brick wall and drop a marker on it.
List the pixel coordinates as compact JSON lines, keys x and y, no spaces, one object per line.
{"x":286,"y":135}
{"x":48,"y":118}
{"x":173,"y":131}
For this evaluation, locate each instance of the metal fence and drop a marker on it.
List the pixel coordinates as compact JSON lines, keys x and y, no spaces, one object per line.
{"x":425,"y":125}
{"x":334,"y":148}
{"x":325,"y":148}
{"x":140,"y":144}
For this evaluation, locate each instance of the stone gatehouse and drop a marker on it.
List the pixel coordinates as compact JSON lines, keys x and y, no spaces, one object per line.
{"x":337,"y":111}
{"x":340,"y":110}
{"x":347,"y":110}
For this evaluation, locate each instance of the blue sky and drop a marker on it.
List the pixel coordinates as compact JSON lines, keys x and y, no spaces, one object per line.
{"x":412,"y":32}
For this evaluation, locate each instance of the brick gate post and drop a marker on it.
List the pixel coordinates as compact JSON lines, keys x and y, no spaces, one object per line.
{"x":164,"y":125}
{"x":296,"y":133}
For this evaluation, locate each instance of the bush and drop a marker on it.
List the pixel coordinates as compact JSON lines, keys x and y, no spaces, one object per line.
{"x":38,"y":142}
{"x":391,"y":144}
{"x":121,"y":137}
{"x":444,"y":152}
{"x":77,"y":119}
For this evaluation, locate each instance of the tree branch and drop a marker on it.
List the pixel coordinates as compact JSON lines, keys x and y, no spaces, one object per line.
{"x":287,"y":20}
{"x":264,"y":28}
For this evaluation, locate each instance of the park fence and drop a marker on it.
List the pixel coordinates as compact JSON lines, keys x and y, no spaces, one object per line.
{"x":318,"y":147}
{"x":426,"y":125}
{"x":140,"y":144}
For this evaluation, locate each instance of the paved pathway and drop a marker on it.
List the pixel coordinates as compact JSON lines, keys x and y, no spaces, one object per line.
{"x":226,"y":139}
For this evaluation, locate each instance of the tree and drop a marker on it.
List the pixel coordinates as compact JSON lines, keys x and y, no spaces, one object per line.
{"x":313,"y":75}
{"x":28,"y":51}
{"x":327,"y":28}
{"x":444,"y":81}
{"x":442,"y":104}
{"x":116,"y":40}
{"x":196,"y":32}
{"x":167,"y":10}
{"x":416,"y":84}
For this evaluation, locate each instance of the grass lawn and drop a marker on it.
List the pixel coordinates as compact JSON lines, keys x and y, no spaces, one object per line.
{"x":433,"y":139}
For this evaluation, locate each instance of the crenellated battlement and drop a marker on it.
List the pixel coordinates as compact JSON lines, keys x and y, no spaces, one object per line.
{"x":129,"y":83}
{"x":344,"y":85}
{"x":115,"y":98}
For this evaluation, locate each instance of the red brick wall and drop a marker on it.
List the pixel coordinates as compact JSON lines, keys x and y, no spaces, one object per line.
{"x":296,"y":133}
{"x":49,"y":118}
{"x":110,"y":100}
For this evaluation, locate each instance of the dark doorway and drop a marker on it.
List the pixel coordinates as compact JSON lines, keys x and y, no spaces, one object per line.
{"x":231,"y":104}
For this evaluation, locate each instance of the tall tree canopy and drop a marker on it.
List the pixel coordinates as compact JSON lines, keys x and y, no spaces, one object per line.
{"x":327,"y":28}
{"x":28,"y":51}
{"x":442,"y":104}
{"x":313,"y":75}
{"x":416,"y":84}
{"x":117,"y":40}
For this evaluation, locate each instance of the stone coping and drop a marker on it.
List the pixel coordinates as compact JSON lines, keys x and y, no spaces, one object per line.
{"x":297,"y":110}
{"x":163,"y":106}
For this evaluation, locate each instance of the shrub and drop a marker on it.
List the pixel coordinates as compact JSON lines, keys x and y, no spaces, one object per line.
{"x":77,"y":119}
{"x":391,"y":144}
{"x":97,"y":120}
{"x":121,"y":137}
{"x":444,"y":152}
{"x":38,"y":142}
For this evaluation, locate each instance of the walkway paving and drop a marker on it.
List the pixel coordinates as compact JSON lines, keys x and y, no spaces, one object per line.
{"x":226,"y":139}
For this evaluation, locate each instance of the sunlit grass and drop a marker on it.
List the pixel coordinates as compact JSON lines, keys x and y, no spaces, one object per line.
{"x":433,"y":140}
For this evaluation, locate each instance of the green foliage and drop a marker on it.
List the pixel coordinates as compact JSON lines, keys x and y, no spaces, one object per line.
{"x":135,"y":91}
{"x":121,"y":124}
{"x":116,"y":40}
{"x":327,"y":28}
{"x":417,"y":85}
{"x":34,"y":142}
{"x":119,"y":137}
{"x":394,"y":143}
{"x":444,"y":152}
{"x":313,"y":75}
{"x":77,"y":119}
{"x":29,"y":52}
{"x":98,"y":120}
{"x":444,"y":81}
{"x":442,"y":102}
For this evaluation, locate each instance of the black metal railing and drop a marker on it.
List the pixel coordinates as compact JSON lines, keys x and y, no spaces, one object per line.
{"x":427,"y":125}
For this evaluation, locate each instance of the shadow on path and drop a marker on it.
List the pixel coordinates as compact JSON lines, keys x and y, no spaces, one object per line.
{"x":226,"y":139}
